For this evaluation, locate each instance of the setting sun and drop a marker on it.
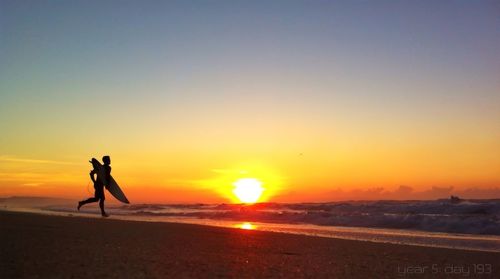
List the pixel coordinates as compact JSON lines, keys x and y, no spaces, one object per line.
{"x":248,"y":190}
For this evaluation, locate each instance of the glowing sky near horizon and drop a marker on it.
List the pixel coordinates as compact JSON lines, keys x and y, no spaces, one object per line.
{"x":187,"y":97}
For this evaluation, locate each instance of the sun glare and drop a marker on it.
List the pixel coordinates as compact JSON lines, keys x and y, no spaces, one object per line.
{"x":248,"y":190}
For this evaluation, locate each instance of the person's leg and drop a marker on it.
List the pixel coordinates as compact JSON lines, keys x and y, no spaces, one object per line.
{"x":89,"y":200}
{"x":101,"y":205}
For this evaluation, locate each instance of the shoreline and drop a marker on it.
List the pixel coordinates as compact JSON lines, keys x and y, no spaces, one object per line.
{"x":45,"y":246}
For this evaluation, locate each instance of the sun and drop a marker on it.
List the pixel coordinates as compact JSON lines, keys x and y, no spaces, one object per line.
{"x":248,"y":190}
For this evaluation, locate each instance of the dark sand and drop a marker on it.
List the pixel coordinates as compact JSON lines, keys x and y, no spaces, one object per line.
{"x":39,"y":246}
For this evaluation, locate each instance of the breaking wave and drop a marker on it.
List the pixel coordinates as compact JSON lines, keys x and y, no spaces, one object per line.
{"x":471,"y":217}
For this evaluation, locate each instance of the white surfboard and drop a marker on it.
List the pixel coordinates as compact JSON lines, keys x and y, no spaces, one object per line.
{"x":112,"y":187}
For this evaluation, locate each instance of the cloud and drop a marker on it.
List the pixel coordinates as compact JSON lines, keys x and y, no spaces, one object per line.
{"x":408,"y":193}
{"x":17,"y":176}
{"x":32,"y":184}
{"x":5,"y":158}
{"x":480,"y":193}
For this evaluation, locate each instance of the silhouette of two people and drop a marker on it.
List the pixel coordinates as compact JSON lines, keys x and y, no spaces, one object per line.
{"x":101,"y":178}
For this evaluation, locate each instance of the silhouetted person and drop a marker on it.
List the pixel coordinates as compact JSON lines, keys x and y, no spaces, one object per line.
{"x":99,"y":183}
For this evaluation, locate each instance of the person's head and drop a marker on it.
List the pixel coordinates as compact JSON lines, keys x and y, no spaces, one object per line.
{"x":106,"y":160}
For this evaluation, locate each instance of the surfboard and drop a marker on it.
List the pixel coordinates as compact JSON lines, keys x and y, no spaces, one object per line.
{"x":112,"y":186}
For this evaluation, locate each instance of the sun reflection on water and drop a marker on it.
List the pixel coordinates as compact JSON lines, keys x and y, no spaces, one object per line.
{"x":246,"y":226}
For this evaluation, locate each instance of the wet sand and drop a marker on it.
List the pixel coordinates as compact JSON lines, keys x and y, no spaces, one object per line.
{"x":40,"y":246}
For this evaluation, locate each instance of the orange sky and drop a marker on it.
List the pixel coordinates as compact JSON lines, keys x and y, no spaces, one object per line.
{"x":318,"y":101}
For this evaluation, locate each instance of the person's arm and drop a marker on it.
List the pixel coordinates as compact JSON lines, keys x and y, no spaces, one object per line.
{"x":92,"y":172}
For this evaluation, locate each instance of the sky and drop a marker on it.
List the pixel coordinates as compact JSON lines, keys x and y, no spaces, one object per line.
{"x":318,"y":100}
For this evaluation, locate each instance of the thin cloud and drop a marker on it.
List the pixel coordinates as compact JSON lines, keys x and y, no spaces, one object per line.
{"x":5,"y":158}
{"x":24,"y":176}
{"x":32,"y":184}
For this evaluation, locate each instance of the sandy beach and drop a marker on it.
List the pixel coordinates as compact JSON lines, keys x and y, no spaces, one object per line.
{"x":40,"y":246}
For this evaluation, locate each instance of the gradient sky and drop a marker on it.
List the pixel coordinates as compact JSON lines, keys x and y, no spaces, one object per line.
{"x":320,"y":100}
